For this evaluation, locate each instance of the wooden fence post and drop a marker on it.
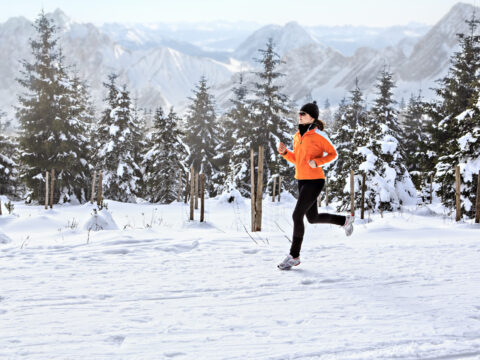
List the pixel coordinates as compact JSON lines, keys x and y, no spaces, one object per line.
{"x":202,"y":196}
{"x":46,"y":190}
{"x":457,"y":192}
{"x":94,"y":179}
{"x":477,"y":203}
{"x":431,"y":188}
{"x":187,"y":186}
{"x":279,"y":187}
{"x":99,"y":191}
{"x":180,"y":183}
{"x":196,"y":190}
{"x":258,"y":203}
{"x":192,"y":191}
{"x":52,"y":183}
{"x":352,"y":194}
{"x":273,"y":188}
{"x":252,"y":187}
{"x":362,"y":213}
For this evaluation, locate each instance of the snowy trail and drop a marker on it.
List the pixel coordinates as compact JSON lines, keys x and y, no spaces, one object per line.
{"x":403,"y":287}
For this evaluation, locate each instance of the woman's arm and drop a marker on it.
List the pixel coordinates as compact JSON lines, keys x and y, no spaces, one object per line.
{"x":329,"y":149}
{"x":289,"y":156}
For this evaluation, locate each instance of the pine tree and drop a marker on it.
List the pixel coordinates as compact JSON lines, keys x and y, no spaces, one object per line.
{"x":350,"y":118}
{"x":388,"y":182}
{"x":164,"y":158}
{"x":327,"y":114}
{"x":416,"y":142}
{"x":8,"y":163}
{"x":202,"y":136}
{"x":238,"y":126}
{"x":457,"y":93}
{"x":52,"y":132}
{"x":115,"y":139}
{"x":270,"y":111}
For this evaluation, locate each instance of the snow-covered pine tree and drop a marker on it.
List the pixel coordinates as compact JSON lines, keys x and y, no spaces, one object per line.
{"x":416,"y":143}
{"x":453,"y":116}
{"x":202,"y":136}
{"x":164,"y":158}
{"x":388,"y":182}
{"x":52,"y":135}
{"x":271,"y":117}
{"x":115,"y":145}
{"x":139,"y":132}
{"x":350,"y":120}
{"x":238,"y":141}
{"x":8,"y":163}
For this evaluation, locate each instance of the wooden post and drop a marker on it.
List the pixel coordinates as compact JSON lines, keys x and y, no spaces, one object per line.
{"x":319,"y":200}
{"x":0,"y":206}
{"x":94,"y":179}
{"x":457,"y":192}
{"x":279,"y":187}
{"x":99,"y":191}
{"x":180,"y":183}
{"x":46,"y":190}
{"x":258,"y":200}
{"x":431,"y":188}
{"x":192,"y":191}
{"x":252,"y":187}
{"x":52,"y":183}
{"x":187,"y":186}
{"x":326,"y":191}
{"x":273,"y":188}
{"x":202,"y":196}
{"x":352,"y":194}
{"x":477,"y":203}
{"x":196,"y":190}
{"x":363,"y":198}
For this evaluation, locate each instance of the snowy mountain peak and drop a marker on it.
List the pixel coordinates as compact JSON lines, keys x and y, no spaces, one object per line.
{"x":286,"y":38}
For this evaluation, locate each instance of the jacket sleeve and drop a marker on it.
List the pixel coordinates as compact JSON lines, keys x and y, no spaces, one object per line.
{"x":331,"y":154}
{"x":289,"y":156}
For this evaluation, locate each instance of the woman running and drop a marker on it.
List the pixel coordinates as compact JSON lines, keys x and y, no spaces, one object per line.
{"x":310,"y":144}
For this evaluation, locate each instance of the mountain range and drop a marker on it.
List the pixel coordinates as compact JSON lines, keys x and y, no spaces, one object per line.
{"x":162,"y":63}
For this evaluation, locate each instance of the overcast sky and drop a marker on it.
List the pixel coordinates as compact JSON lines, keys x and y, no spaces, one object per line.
{"x":305,"y":12}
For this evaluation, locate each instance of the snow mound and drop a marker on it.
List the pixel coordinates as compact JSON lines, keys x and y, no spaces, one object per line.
{"x":233,"y":197}
{"x":101,"y":220}
{"x":4,"y":239}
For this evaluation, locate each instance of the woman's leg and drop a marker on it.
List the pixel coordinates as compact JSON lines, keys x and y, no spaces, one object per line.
{"x":314,"y":217}
{"x":308,"y":193}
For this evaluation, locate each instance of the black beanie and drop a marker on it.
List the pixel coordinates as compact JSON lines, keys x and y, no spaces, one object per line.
{"x":311,"y":109}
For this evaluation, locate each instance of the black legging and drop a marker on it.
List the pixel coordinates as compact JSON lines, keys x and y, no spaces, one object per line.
{"x":307,"y":205}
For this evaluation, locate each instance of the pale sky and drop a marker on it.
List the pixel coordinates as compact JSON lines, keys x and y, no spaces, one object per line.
{"x":305,"y":12}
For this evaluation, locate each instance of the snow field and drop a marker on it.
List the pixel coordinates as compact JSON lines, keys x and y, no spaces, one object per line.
{"x":403,"y":286}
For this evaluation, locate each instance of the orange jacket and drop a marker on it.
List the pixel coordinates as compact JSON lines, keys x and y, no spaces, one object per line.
{"x":313,"y":145}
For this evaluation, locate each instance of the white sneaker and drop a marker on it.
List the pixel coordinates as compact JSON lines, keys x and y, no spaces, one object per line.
{"x":349,"y":224}
{"x":288,"y":262}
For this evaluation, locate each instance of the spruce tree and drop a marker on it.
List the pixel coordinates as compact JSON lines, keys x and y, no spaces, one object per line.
{"x":271,"y":116}
{"x":202,"y":136}
{"x":164,"y":158}
{"x":416,"y":142}
{"x":52,"y":134}
{"x":115,"y":141}
{"x":8,"y":162}
{"x":238,"y":126}
{"x":349,"y":120}
{"x":457,"y":93}
{"x":388,"y":182}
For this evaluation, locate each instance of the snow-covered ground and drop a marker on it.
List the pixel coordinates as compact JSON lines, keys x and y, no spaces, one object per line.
{"x":157,"y":286}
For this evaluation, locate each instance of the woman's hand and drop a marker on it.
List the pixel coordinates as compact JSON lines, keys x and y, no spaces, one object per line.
{"x":281,"y":148}
{"x":312,"y":163}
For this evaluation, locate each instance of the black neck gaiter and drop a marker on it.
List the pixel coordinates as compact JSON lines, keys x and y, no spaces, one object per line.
{"x":303,"y":128}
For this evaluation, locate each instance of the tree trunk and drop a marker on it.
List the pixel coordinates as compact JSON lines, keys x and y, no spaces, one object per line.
{"x":258,"y":203}
{"x":52,"y":187}
{"x":252,"y":186}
